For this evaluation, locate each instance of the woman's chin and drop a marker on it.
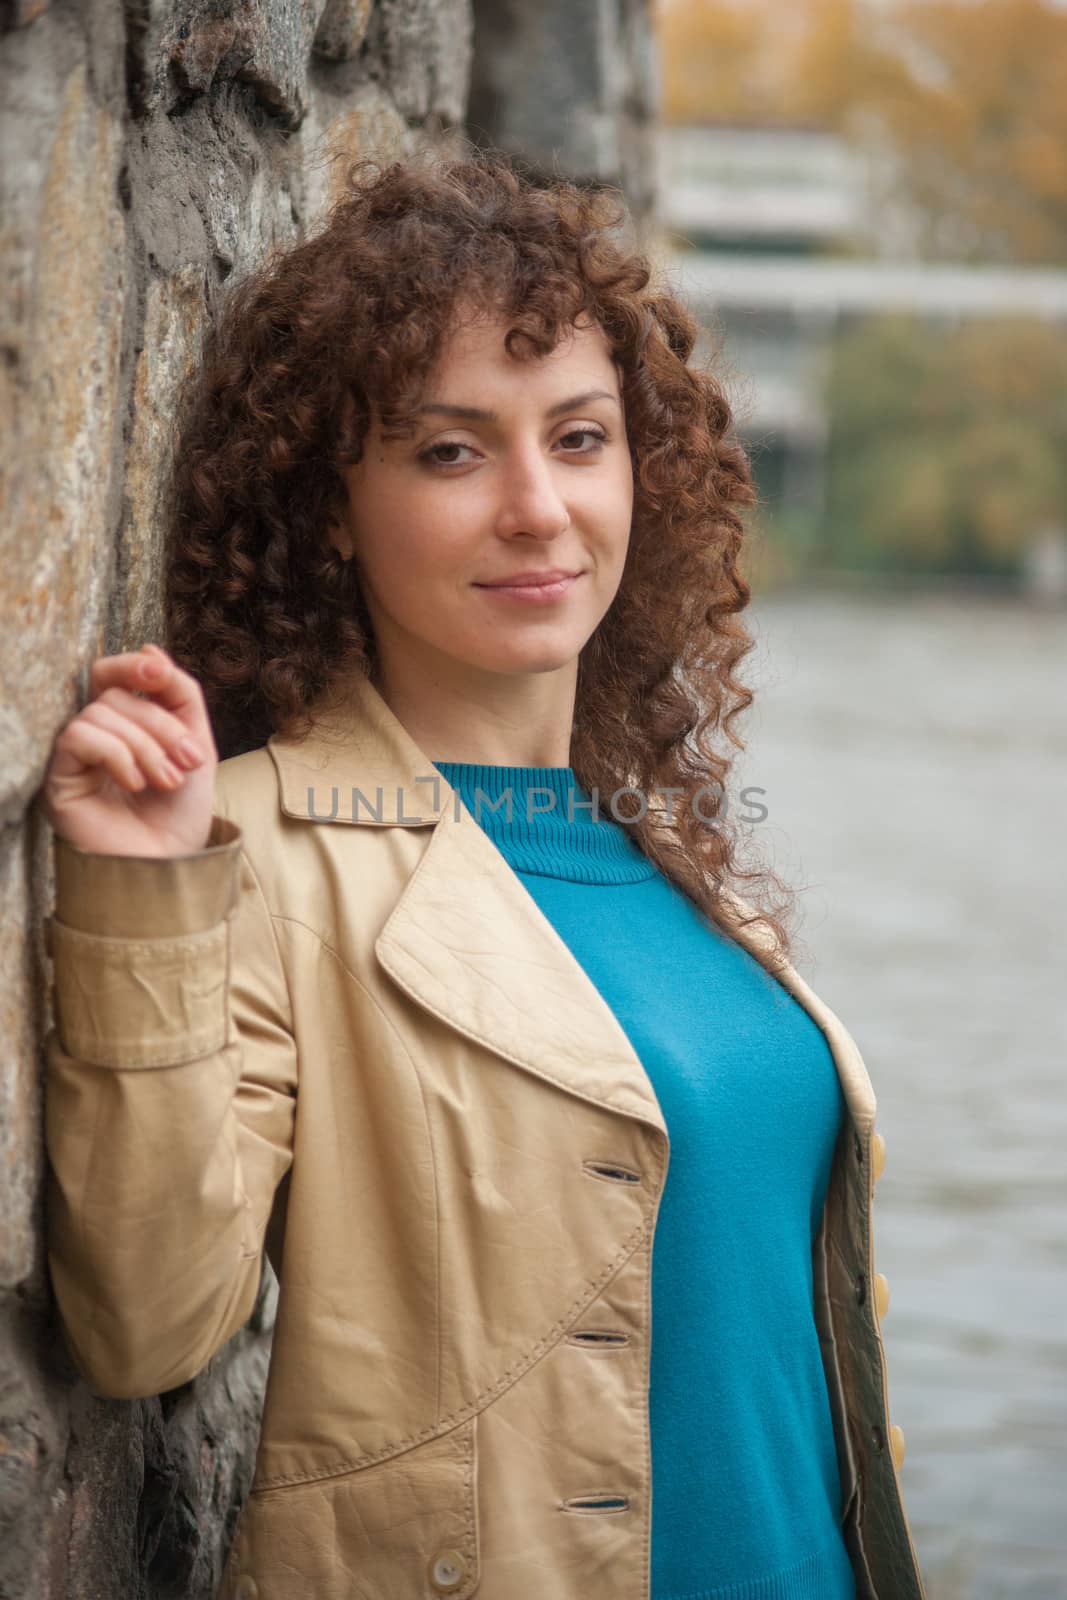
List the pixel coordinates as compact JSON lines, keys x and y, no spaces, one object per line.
{"x":520,"y":663}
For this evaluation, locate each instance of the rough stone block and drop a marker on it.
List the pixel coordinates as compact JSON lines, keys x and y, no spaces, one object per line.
{"x":570,"y":88}
{"x":184,"y":49}
{"x":341,"y":28}
{"x":20,"y":13}
{"x":366,"y":123}
{"x":422,"y":51}
{"x":63,"y":257}
{"x":175,"y":315}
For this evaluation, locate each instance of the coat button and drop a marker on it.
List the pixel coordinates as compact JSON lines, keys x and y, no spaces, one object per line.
{"x":881,"y":1294}
{"x":447,"y":1571}
{"x":896,"y":1444}
{"x":247,"y":1588}
{"x":877,"y":1155}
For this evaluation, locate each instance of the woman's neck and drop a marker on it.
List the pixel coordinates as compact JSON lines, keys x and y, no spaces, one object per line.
{"x":523,"y":720}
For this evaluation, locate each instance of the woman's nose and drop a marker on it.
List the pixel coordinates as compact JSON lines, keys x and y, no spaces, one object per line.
{"x":530,"y":501}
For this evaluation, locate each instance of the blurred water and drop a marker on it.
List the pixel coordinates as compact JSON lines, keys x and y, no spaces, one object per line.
{"x":914,"y":754}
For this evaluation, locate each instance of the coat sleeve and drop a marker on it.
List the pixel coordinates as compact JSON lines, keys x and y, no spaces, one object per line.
{"x":170,"y":1097}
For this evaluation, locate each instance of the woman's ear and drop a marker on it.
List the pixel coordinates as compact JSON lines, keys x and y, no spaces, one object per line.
{"x":339,"y":533}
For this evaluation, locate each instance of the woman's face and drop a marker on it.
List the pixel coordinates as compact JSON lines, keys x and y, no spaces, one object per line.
{"x":514,"y":468}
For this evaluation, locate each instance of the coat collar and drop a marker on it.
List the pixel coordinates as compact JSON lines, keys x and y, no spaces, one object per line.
{"x":467,"y":941}
{"x":358,"y":765}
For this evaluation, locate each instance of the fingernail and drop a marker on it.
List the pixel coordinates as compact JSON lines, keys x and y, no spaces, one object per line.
{"x":190,"y":752}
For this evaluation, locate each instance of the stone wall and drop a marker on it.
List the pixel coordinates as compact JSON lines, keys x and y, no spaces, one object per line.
{"x":572,"y":87}
{"x":151,"y":149}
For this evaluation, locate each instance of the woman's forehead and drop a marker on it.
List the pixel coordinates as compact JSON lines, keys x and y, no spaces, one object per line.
{"x":478,"y":341}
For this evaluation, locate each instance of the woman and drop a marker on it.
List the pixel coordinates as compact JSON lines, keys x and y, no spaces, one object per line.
{"x":410,"y":988}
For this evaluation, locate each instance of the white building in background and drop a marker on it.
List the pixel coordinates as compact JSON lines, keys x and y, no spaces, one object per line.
{"x":771,"y":236}
{"x":760,"y":188}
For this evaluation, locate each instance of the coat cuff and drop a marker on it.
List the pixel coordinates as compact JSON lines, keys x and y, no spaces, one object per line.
{"x":140,"y":947}
{"x":148,"y":897}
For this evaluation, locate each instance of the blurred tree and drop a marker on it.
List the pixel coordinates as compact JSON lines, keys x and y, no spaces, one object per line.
{"x":709,"y":57}
{"x":948,"y":448}
{"x":755,"y":62}
{"x":967,"y":98}
{"x":971,"y":99}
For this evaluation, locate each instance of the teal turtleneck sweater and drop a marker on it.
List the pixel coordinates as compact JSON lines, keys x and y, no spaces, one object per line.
{"x":745,"y":1485}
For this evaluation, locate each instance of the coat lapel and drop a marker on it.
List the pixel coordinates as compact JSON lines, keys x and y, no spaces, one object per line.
{"x":467,"y":941}
{"x":470,"y":944}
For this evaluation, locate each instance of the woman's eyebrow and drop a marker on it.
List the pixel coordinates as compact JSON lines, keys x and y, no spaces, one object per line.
{"x":476,"y":414}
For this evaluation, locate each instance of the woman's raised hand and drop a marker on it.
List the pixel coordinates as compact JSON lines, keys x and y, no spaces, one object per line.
{"x":133,"y":773}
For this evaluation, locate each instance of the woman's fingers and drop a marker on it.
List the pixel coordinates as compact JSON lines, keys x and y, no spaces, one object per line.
{"x":151,"y":671}
{"x":148,"y":752}
{"x":142,"y":713}
{"x":94,"y":746}
{"x":165,"y":728}
{"x":155,"y":712}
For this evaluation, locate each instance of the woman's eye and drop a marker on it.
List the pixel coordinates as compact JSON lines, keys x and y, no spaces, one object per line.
{"x":449,"y":461}
{"x":578,"y":441}
{"x":593,"y":434}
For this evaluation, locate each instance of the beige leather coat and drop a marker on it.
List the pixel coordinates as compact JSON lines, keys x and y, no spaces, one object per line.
{"x":345,"y":1033}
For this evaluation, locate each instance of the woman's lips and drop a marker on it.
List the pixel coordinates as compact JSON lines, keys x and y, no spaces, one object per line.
{"x":532,"y":593}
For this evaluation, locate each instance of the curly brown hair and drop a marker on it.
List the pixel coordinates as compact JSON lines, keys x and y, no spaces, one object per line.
{"x":266,"y":613}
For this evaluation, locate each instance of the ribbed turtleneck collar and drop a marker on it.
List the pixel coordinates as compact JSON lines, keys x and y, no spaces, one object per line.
{"x":541,"y":821}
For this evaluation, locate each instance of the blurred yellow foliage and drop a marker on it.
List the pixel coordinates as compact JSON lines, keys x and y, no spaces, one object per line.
{"x":755,"y":62}
{"x":969,"y":97}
